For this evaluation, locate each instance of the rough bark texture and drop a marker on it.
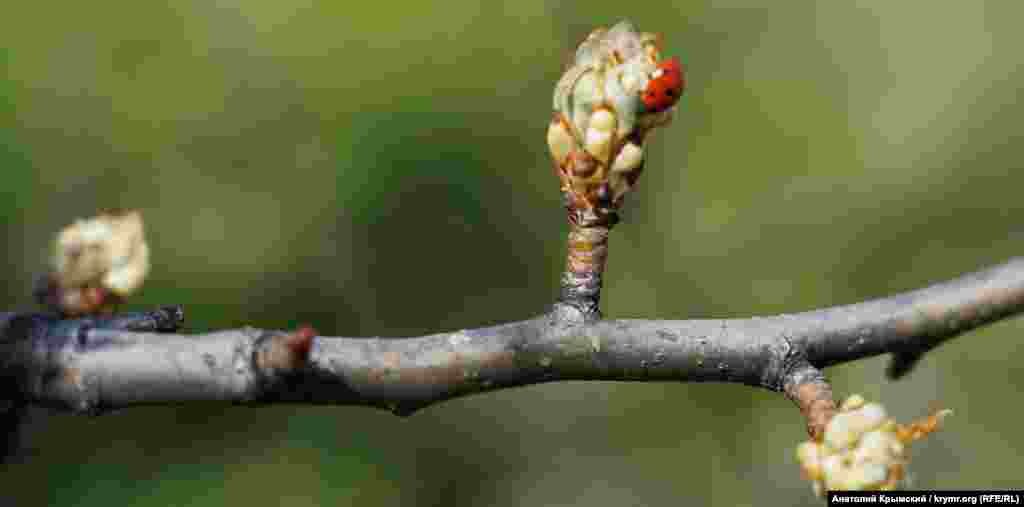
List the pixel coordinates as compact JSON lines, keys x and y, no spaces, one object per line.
{"x":91,"y":365}
{"x":584,"y":271}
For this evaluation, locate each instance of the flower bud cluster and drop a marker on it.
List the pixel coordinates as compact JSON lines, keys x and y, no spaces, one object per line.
{"x":98,"y":261}
{"x":616,"y":90}
{"x":862,"y":449}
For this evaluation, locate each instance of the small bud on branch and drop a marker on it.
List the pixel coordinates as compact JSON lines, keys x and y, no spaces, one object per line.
{"x":614,"y":92}
{"x":96,"y":264}
{"x":862,"y":448}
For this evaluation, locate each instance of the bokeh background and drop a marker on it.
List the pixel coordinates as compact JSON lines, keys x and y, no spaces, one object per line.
{"x":379,"y":168}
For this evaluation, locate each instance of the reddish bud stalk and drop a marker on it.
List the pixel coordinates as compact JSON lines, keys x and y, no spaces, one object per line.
{"x":816,"y":404}
{"x":287,"y":352}
{"x":300,"y":342}
{"x":584,"y":270}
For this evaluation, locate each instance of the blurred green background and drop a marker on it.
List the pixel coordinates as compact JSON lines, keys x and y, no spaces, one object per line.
{"x":380,"y":169}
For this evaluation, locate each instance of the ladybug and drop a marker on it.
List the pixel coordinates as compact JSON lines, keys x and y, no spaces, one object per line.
{"x":664,"y":87}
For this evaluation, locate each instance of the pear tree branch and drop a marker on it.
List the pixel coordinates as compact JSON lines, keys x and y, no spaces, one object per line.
{"x":84,"y":357}
{"x":92,"y":365}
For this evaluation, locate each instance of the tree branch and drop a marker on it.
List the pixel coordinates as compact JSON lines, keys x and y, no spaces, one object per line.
{"x":91,"y":366}
{"x":618,"y":89}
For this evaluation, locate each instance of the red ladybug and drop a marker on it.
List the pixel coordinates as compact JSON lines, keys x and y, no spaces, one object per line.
{"x":664,"y":87}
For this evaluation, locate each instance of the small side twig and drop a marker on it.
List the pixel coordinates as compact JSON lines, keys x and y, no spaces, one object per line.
{"x":806,"y":386}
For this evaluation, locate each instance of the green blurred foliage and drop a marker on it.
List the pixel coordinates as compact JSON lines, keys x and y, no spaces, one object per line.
{"x":380,"y":169}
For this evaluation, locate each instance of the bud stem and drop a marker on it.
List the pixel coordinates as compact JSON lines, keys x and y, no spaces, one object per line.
{"x":584,"y":270}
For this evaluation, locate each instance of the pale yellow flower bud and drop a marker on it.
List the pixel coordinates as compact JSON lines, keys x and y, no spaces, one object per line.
{"x":560,"y":141}
{"x":600,"y":135}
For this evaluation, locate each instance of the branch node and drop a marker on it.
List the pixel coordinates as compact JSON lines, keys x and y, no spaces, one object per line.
{"x":574,"y":312}
{"x":300,"y":342}
{"x":285,"y":353}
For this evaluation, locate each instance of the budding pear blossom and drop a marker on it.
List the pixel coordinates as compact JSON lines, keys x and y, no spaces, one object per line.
{"x":862,"y":449}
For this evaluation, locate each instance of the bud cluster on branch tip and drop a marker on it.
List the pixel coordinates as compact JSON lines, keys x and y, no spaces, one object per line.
{"x":97,"y":262}
{"x":862,"y":449}
{"x":615,"y":91}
